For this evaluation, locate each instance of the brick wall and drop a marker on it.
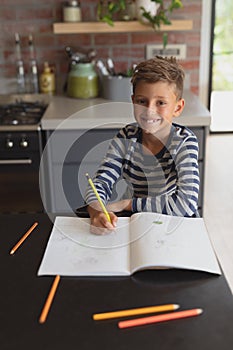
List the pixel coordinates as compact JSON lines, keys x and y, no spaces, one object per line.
{"x":37,"y":17}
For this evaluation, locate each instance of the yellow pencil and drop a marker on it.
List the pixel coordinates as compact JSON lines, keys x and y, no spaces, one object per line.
{"x":98,"y":197}
{"x":49,"y":300}
{"x":133,"y":312}
{"x":23,"y":238}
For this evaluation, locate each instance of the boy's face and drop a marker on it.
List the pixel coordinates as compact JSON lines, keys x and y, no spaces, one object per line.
{"x":155,"y":105}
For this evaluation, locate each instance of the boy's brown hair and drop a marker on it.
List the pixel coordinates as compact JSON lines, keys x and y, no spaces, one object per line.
{"x":165,"y":69}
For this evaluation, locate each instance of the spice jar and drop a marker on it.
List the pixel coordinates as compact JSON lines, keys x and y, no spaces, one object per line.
{"x":72,"y":11}
{"x":82,"y":81}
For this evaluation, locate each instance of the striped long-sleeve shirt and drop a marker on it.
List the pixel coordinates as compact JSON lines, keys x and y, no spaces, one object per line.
{"x":166,"y":183}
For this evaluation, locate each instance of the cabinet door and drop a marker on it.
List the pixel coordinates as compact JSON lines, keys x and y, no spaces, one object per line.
{"x":68,"y":187}
{"x":73,"y":146}
{"x":69,"y":156}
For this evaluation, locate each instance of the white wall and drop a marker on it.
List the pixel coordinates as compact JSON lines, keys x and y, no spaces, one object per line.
{"x":205,"y":51}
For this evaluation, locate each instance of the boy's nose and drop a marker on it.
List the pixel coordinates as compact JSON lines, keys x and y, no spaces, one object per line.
{"x":151,"y":110}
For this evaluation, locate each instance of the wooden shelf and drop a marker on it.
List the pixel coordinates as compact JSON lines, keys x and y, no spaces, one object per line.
{"x":119,"y":27}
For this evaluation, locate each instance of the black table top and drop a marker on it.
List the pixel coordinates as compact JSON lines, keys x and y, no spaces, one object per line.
{"x":69,"y":324}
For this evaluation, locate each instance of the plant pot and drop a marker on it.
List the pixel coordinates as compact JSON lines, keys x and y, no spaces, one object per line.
{"x":117,"y":88}
{"x":149,"y":6}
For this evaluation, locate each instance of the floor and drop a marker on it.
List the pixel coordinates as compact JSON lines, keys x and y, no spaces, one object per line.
{"x":218,"y":198}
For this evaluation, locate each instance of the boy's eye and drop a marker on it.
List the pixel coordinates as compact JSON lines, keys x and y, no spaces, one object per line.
{"x":144,"y":102}
{"x":161,"y":103}
{"x":141,"y":101}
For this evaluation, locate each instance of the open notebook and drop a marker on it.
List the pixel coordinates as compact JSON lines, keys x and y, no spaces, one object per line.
{"x":142,"y":241}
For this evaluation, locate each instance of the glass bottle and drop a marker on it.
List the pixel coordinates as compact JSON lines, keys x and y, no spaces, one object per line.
{"x":21,"y":84}
{"x":33,"y":71}
{"x":72,"y":11}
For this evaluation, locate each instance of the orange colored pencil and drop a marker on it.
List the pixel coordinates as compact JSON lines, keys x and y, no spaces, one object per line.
{"x":49,"y":300}
{"x":135,"y":312}
{"x":13,"y":250}
{"x":159,"y":318}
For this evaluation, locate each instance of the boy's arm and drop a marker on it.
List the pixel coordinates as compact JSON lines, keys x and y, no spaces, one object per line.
{"x":123,"y":205}
{"x":184,"y":200}
{"x":109,"y":171}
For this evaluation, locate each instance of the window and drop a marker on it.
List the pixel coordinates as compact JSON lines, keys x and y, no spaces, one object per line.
{"x":222,"y":51}
{"x":221,"y":66}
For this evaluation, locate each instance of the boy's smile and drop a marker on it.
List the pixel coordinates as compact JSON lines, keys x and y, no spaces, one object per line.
{"x":155,"y":105}
{"x":150,"y":123}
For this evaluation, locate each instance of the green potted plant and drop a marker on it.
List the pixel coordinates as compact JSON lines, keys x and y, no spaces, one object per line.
{"x":107,"y":12}
{"x":162,"y":15}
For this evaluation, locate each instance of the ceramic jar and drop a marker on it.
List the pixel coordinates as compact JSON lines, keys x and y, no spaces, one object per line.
{"x":82,"y":81}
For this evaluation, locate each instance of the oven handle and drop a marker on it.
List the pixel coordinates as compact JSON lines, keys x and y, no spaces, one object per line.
{"x":15,"y":161}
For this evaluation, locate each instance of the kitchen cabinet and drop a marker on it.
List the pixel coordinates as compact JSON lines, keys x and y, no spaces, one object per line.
{"x":72,"y":153}
{"x":68,"y":156}
{"x":118,"y":27}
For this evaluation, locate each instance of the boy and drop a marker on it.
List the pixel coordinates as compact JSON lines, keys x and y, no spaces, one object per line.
{"x":158,"y":159}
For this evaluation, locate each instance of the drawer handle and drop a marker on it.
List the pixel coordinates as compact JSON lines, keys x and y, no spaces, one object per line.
{"x":15,"y":161}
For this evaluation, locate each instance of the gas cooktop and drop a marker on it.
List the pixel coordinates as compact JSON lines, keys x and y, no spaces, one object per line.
{"x":21,"y":111}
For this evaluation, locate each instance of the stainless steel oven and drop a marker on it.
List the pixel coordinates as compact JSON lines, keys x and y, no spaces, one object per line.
{"x":20,"y":150}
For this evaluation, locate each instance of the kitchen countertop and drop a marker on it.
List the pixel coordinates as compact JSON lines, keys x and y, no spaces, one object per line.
{"x":69,"y":113}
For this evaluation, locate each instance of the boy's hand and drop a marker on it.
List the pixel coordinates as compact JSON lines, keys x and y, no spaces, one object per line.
{"x":99,"y":222}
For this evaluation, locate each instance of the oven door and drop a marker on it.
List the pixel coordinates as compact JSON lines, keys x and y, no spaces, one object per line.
{"x":19,"y":179}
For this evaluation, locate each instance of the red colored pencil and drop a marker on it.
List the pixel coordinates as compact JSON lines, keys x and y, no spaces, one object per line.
{"x":159,"y":318}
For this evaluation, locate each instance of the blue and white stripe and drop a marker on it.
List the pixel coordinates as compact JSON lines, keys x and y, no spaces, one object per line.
{"x":167,"y":183}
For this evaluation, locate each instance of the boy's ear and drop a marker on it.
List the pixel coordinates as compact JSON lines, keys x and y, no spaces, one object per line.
{"x":179,"y":107}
